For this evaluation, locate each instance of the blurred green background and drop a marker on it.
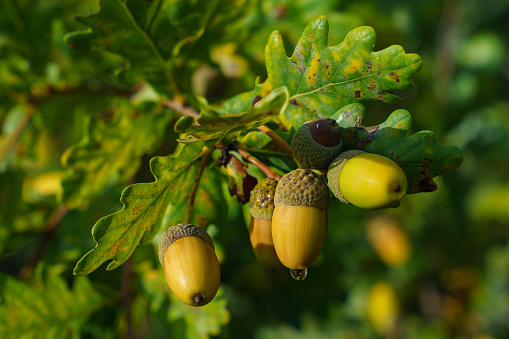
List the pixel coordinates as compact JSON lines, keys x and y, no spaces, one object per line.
{"x":436,"y":267}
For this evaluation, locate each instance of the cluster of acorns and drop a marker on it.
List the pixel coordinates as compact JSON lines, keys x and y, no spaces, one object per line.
{"x":288,"y":217}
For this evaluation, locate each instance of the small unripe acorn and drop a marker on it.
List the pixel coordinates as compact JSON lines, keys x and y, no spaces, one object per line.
{"x":261,"y":207}
{"x":299,"y":222}
{"x":191,"y":267}
{"x":367,"y":180}
{"x":316,"y":143}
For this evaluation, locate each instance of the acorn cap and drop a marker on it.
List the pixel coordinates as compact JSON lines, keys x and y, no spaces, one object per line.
{"x":302,"y":187}
{"x":261,"y":201}
{"x":316,"y":143}
{"x":180,"y":231}
{"x":335,"y":171}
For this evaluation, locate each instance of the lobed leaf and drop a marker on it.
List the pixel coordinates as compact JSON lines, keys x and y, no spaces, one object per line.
{"x":244,"y":111}
{"x":322,"y":79}
{"x":208,"y":197}
{"x":201,"y":322}
{"x":49,"y":311}
{"x":134,"y":30}
{"x":111,"y":151}
{"x":117,"y":235}
{"x":419,"y":155}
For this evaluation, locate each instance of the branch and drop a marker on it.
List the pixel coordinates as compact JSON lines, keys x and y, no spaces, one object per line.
{"x":264,"y":168}
{"x":48,"y":229}
{"x":190,"y":205}
{"x":178,"y":107}
{"x":125,"y":291}
{"x":13,"y":138}
{"x":277,"y":139}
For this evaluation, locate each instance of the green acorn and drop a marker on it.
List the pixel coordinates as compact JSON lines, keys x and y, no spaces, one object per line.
{"x":367,"y":180}
{"x":316,"y":143}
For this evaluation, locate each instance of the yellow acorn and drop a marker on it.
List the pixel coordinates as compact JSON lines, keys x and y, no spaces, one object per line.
{"x":389,"y":240}
{"x":367,"y":180}
{"x":299,"y":221}
{"x":261,"y":207}
{"x":316,"y":143}
{"x":190,"y":264}
{"x":382,"y":308}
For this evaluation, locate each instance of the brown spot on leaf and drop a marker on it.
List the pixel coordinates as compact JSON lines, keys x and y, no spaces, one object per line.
{"x":357,"y":94}
{"x":426,"y":185}
{"x":394,"y":76}
{"x":294,"y":102}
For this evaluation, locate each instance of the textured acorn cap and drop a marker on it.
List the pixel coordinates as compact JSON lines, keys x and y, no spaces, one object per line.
{"x":335,"y":171}
{"x":316,"y":143}
{"x":261,"y":201}
{"x":302,"y":187}
{"x":180,"y":231}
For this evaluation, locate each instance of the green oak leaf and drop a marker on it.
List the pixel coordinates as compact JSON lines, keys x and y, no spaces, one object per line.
{"x":117,"y":235}
{"x":242,"y":112}
{"x":322,"y":79}
{"x":419,"y":155}
{"x":200,"y":322}
{"x":134,"y":30}
{"x":49,"y":309}
{"x":111,"y":151}
{"x":209,"y":205}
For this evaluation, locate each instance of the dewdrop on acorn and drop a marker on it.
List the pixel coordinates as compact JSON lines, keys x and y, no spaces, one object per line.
{"x":190,"y":264}
{"x":367,"y":180}
{"x":261,"y":207}
{"x":299,"y":221}
{"x":316,"y":143}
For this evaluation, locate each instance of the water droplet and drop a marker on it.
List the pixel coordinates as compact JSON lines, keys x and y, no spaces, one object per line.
{"x":299,"y":274}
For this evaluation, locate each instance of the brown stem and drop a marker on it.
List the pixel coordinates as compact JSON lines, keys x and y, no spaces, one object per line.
{"x":125,"y":291}
{"x":264,"y":168}
{"x":277,"y":139}
{"x":190,"y":205}
{"x":180,"y":108}
{"x":13,"y":138}
{"x":48,"y":229}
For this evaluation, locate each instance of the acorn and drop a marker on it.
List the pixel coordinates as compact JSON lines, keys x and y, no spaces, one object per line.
{"x":316,"y":143}
{"x":367,"y":180}
{"x":299,"y":221}
{"x":389,"y":240}
{"x":261,"y":207}
{"x":190,"y":264}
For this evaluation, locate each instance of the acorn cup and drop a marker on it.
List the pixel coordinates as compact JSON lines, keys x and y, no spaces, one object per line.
{"x":299,"y":221}
{"x":261,"y":207}
{"x":367,"y":180}
{"x":191,"y":267}
{"x":316,"y":143}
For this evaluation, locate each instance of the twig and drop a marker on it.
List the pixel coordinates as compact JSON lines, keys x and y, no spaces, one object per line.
{"x":190,"y":205}
{"x":125,"y":291}
{"x":48,"y":229}
{"x":13,"y":138}
{"x":259,"y":150}
{"x":264,"y":168}
{"x":181,"y":109}
{"x":277,"y":139}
